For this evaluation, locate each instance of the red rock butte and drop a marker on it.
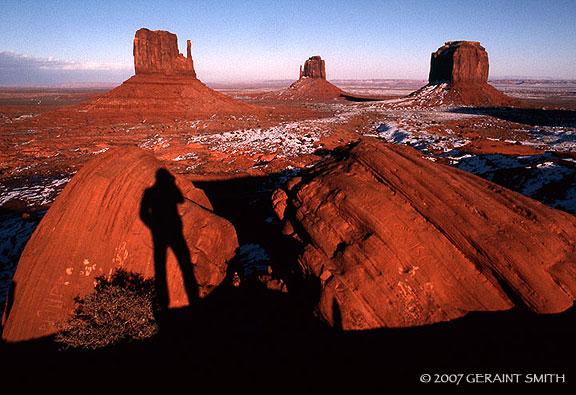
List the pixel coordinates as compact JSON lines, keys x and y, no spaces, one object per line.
{"x":314,"y":67}
{"x":157,"y":52}
{"x":459,"y":76}
{"x":164,"y":85}
{"x":311,"y":86}
{"x":459,"y":61}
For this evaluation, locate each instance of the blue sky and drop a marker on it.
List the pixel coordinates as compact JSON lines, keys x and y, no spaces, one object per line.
{"x":253,"y":40}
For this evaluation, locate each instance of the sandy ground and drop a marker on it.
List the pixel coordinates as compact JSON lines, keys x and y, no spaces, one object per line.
{"x":240,"y":159}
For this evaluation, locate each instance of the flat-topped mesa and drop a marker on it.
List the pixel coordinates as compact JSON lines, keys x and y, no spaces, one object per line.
{"x":459,"y":62}
{"x":314,"y":67}
{"x":156,"y":52}
{"x":459,"y":76}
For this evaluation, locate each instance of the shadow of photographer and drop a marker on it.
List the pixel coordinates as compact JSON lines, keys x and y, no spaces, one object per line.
{"x":159,"y":212}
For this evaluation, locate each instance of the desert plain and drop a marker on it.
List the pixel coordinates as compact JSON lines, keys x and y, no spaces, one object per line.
{"x":357,"y":219}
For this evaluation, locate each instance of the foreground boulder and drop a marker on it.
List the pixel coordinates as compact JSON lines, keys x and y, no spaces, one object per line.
{"x":459,"y":76}
{"x":396,"y":240}
{"x":122,"y":210}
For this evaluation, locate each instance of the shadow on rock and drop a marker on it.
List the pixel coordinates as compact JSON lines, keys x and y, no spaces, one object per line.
{"x":528,"y":116}
{"x":159,"y":211}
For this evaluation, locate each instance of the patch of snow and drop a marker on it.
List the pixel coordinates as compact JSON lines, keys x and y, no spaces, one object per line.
{"x":101,"y":151}
{"x":287,"y":140}
{"x":15,"y":232}
{"x":188,"y":156}
{"x":544,"y":177}
{"x":553,"y":138}
{"x":252,"y":253}
{"x":32,"y":195}
{"x":421,"y":140}
{"x":155,"y":142}
{"x":253,"y":258}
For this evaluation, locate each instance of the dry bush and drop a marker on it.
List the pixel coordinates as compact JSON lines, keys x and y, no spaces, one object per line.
{"x":120,"y":308}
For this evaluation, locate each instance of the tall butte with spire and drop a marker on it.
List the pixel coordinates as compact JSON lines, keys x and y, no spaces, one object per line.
{"x":459,"y":76}
{"x":165,"y":85}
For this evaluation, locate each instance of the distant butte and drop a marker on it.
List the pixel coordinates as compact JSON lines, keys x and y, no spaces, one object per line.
{"x":459,"y":76}
{"x":312,"y":84}
{"x":314,"y":67}
{"x":459,"y":62}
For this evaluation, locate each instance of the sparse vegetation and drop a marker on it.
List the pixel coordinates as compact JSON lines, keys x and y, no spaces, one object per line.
{"x":121,"y":308}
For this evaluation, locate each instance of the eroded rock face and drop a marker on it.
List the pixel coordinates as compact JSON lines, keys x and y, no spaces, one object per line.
{"x":396,"y":240}
{"x":104,"y":220}
{"x":157,"y":52}
{"x":314,"y":67}
{"x":459,"y":61}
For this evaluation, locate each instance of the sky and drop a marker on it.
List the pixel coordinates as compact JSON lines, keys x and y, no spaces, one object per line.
{"x":50,"y":42}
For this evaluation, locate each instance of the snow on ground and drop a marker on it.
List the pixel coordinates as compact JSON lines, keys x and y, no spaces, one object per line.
{"x":188,"y":156}
{"x":553,"y":138}
{"x":253,"y":258}
{"x":38,"y":194}
{"x":290,"y":139}
{"x":155,"y":141}
{"x":422,"y":141}
{"x":424,"y":95}
{"x":548,"y":177}
{"x":15,"y":232}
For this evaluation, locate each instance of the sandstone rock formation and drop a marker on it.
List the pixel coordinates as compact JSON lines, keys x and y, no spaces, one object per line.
{"x":157,"y":52}
{"x":314,"y":67}
{"x":94,"y":227}
{"x":165,"y":86}
{"x":459,"y":75}
{"x":311,"y":86}
{"x":396,"y":241}
{"x":459,"y":61}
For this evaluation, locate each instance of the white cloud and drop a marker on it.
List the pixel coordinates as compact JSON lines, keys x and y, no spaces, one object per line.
{"x":21,"y":69}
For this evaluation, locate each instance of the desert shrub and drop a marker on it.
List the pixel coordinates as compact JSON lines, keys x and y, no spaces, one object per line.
{"x":120,"y":308}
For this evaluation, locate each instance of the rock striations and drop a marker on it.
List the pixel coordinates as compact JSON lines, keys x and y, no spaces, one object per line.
{"x":164,"y":86}
{"x":102,"y":222}
{"x":459,"y":76}
{"x":311,"y":86}
{"x":396,"y":240}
